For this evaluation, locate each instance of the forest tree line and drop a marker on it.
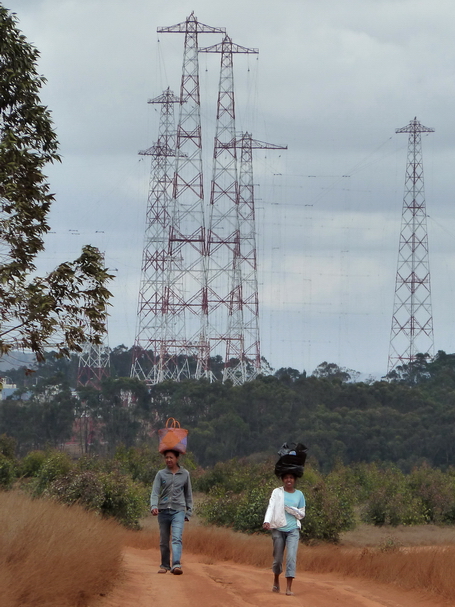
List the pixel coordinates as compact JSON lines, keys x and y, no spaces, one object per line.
{"x":407,"y":419}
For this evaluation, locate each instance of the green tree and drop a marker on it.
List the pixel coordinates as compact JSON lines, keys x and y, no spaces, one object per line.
{"x":68,"y":306}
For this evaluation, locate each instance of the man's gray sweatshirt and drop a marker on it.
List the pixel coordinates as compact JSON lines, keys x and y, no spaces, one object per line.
{"x":172,"y":491}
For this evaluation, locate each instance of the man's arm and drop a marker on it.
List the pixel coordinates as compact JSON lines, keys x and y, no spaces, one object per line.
{"x":154,"y":496}
{"x":188,"y":491}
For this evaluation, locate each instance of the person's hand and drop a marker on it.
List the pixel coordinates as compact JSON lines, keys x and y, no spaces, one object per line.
{"x":266,"y":526}
{"x":187,"y":519}
{"x":154,"y":511}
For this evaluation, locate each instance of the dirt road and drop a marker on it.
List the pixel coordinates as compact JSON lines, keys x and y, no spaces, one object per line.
{"x":220,"y":584}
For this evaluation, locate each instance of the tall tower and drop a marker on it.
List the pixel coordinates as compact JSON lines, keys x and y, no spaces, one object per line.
{"x":223,"y":278}
{"x":412,"y":320}
{"x":94,"y":365}
{"x":243,"y":355}
{"x":150,"y":362}
{"x":184,"y":302}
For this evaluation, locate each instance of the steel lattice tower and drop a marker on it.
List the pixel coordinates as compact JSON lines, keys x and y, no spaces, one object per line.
{"x":412,"y":321}
{"x":222,"y":320}
{"x":184,"y":302}
{"x":150,"y":356}
{"x":245,"y":296}
{"x":94,"y":365}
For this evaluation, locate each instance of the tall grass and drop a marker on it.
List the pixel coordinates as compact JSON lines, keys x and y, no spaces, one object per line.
{"x":53,"y":555}
{"x":415,"y":568}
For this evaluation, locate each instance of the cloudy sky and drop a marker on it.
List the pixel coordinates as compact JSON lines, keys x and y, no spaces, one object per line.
{"x":332,"y":81}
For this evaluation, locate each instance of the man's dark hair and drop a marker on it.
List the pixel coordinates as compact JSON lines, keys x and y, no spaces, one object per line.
{"x":176,"y":453}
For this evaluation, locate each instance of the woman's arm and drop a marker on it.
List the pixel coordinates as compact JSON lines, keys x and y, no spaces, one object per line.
{"x":269,"y":511}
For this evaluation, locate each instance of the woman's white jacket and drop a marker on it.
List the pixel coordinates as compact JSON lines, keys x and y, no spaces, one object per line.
{"x":275,"y":514}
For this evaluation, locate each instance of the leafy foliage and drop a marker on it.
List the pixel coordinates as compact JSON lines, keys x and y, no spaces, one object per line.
{"x":68,"y":306}
{"x":400,"y":422}
{"x":7,"y":472}
{"x":240,"y":495}
{"x":96,"y":484}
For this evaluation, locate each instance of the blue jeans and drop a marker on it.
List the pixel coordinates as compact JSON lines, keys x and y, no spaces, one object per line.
{"x":282,"y":540}
{"x":171,"y":525}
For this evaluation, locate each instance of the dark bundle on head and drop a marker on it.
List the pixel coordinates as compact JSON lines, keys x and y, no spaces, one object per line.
{"x":292,"y":460}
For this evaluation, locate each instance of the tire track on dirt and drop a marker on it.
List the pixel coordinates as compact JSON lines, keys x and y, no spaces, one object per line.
{"x":219,"y":584}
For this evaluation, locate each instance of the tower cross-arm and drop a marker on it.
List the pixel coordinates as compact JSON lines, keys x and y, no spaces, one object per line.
{"x":414,"y":127}
{"x":255,"y":144}
{"x":196,"y":26}
{"x":234,"y":48}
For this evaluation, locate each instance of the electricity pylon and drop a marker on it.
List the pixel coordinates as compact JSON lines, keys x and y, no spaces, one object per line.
{"x":154,"y":323}
{"x":184,"y":301}
{"x":223,"y":280}
{"x":243,"y":356}
{"x":412,"y":320}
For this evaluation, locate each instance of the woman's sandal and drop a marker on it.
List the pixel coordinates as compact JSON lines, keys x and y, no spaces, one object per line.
{"x":275,"y":589}
{"x":289,"y":593}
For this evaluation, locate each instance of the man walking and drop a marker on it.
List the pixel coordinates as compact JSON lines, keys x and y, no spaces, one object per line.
{"x":172,"y":501}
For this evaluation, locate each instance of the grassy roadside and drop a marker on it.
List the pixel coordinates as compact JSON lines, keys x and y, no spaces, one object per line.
{"x":58,"y":556}
{"x":53,"y":555}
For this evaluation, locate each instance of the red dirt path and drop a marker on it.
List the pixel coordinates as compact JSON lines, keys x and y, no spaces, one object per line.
{"x":220,"y":584}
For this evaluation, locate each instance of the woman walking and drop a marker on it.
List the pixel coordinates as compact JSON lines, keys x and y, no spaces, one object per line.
{"x":285,"y":510}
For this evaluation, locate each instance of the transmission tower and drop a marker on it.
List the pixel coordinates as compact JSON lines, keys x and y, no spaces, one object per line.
{"x":150,"y":355}
{"x":412,"y":321}
{"x":184,"y":302}
{"x":94,"y":365}
{"x":94,"y":362}
{"x":222,"y":319}
{"x":243,"y":356}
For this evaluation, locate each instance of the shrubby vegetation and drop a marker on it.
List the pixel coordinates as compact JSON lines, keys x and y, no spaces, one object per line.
{"x":382,"y":452}
{"x":377,"y":494}
{"x":408,"y":420}
{"x":108,"y":487}
{"x":239,"y":494}
{"x":236,"y":492}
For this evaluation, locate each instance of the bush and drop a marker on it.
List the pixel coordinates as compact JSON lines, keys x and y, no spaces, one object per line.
{"x":218,"y":507}
{"x":7,"y":472}
{"x":30,"y":465}
{"x":240,"y":494}
{"x":141,"y":463}
{"x":234,"y":475}
{"x":392,"y":501}
{"x":8,"y":446}
{"x":124,"y":499}
{"x":250,"y":510}
{"x":111,"y":494}
{"x":81,"y":487}
{"x":55,"y":464}
{"x":436,"y":492}
{"x":329,"y":511}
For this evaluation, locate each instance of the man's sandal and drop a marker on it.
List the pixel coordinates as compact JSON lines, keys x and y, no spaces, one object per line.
{"x":162,"y":570}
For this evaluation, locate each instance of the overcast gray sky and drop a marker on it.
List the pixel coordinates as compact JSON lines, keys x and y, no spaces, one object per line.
{"x":333,"y":80}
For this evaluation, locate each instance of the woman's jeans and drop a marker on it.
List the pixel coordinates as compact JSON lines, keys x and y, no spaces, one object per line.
{"x":282,"y":540}
{"x":171,"y":525}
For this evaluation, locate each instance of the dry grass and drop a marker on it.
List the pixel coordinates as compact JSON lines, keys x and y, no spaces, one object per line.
{"x":424,"y":569}
{"x":54,"y":556}
{"x":418,"y":535}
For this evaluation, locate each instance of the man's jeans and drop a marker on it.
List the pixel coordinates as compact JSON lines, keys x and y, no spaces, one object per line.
{"x":171,"y":524}
{"x":282,"y":540}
